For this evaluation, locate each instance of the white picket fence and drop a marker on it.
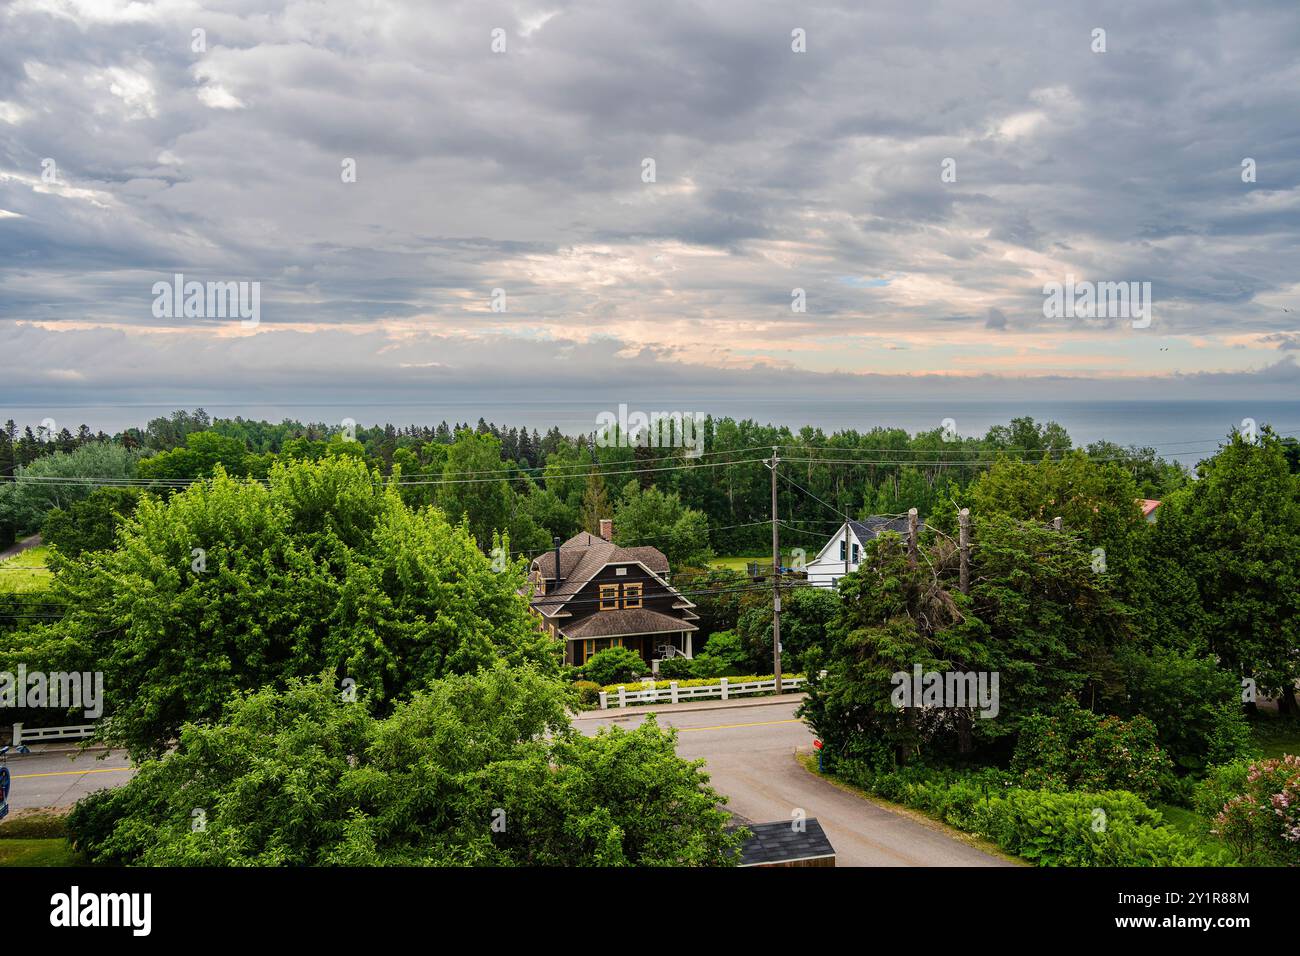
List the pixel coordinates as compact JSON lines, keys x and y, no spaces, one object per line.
{"x":45,"y":734}
{"x":672,"y":694}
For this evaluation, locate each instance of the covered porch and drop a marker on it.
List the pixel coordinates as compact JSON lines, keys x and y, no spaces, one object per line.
{"x":649,"y":646}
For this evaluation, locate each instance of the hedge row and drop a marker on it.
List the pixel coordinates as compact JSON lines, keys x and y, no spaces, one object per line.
{"x":1105,"y":828}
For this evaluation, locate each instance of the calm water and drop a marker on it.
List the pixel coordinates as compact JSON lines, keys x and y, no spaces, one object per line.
{"x":1182,"y":430}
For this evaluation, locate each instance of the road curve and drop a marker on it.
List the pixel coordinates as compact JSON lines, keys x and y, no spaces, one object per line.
{"x":750,"y":756}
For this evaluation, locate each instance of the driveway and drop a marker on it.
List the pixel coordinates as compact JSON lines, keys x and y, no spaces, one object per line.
{"x":750,"y":756}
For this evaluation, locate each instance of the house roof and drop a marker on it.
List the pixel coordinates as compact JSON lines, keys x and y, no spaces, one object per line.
{"x":1148,"y":505}
{"x":876,"y":524}
{"x":780,"y":843}
{"x":581,"y":557}
{"x":624,"y":623}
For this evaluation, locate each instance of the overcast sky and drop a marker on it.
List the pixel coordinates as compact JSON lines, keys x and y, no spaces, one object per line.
{"x":522,"y":170}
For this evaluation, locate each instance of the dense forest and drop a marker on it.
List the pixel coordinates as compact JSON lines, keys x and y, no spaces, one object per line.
{"x":537,"y":487}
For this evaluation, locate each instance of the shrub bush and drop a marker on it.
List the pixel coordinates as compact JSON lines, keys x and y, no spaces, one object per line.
{"x":614,"y":665}
{"x":1221,"y":785}
{"x":588,"y":693}
{"x":1194,"y":703}
{"x":1262,"y":822}
{"x":1075,"y":749}
{"x":724,"y":654}
{"x":675,"y":667}
{"x":1107,"y":828}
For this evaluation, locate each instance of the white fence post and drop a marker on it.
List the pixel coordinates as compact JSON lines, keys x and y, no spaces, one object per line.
{"x":622,"y":696}
{"x":724,"y":688}
{"x":672,"y":690}
{"x":18,"y":735}
{"x":604,"y":700}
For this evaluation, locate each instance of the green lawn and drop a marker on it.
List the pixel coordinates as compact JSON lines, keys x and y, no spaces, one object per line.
{"x":738,"y":563}
{"x":26,"y":572}
{"x":1275,"y":736}
{"x":49,"y":851}
{"x":36,"y":838}
{"x":1196,"y":828}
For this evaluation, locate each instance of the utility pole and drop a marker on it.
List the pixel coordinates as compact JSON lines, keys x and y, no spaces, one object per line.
{"x":963,"y":544}
{"x":776,"y":580}
{"x":911,"y":535}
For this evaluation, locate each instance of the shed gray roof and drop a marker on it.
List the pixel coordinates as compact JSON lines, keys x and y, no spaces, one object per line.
{"x":780,"y":843}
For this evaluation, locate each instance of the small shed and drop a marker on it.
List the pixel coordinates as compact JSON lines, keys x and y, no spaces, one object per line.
{"x":787,"y":843}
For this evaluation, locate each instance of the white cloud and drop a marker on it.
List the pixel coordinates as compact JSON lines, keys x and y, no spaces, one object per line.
{"x":219,"y":98}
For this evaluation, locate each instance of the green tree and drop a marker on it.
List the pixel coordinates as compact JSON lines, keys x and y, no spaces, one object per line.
{"x":475,"y":487}
{"x":652,"y":517}
{"x":1193,"y":702}
{"x":231,"y":585}
{"x":806,"y":615}
{"x":1224,"y":563}
{"x":199,"y":457}
{"x":595,"y":503}
{"x":482,"y":769}
{"x":59,"y":479}
{"x":90,"y":524}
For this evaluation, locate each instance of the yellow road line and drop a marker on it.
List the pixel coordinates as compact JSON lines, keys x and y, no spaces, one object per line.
{"x":757,"y":723}
{"x":72,"y":773}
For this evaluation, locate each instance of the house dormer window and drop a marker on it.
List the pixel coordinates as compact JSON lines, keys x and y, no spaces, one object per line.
{"x":632,"y":595}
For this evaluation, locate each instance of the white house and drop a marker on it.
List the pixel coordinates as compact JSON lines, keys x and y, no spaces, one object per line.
{"x":829,"y":565}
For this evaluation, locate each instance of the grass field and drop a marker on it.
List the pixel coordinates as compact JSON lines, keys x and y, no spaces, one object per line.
{"x":36,"y":838}
{"x":26,"y":571}
{"x":1275,"y":736}
{"x":47,"y":851}
{"x":738,"y":563}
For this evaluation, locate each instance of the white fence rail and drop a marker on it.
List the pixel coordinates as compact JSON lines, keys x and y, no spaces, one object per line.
{"x":673,"y":694}
{"x":45,"y":734}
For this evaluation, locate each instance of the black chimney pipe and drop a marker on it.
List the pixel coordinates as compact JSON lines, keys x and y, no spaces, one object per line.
{"x":557,"y":560}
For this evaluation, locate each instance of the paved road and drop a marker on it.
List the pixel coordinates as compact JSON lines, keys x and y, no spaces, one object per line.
{"x":750,"y":755}
{"x":61,"y":779}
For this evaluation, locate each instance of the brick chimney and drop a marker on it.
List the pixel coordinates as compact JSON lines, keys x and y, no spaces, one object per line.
{"x":607,"y":529}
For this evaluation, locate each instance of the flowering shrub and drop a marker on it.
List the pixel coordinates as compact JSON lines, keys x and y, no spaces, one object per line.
{"x":1262,"y":824}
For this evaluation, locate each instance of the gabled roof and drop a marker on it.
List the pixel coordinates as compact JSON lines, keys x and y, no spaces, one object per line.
{"x":581,"y":558}
{"x":1148,"y":505}
{"x":876,"y":525}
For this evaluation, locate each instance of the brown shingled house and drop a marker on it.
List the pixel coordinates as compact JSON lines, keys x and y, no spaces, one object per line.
{"x":596,"y":595}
